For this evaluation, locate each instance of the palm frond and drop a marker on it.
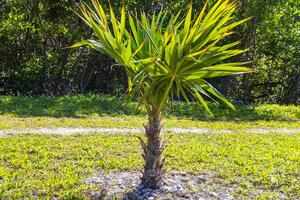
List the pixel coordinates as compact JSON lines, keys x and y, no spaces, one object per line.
{"x":166,"y":56}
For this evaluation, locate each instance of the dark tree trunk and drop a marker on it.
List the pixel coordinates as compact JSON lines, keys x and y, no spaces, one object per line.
{"x":153,"y":148}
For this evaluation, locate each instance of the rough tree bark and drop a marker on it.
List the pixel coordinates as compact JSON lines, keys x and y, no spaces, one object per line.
{"x":153,"y":148}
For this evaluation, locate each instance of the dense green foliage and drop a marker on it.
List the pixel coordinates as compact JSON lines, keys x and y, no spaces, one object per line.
{"x":45,"y":167}
{"x":276,"y":46}
{"x":87,"y":106}
{"x":33,"y":59}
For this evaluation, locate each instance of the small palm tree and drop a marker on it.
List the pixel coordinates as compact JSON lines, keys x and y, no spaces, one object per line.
{"x":166,"y":57}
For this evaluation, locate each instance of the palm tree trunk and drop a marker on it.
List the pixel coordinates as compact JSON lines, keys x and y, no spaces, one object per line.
{"x":153,"y":149}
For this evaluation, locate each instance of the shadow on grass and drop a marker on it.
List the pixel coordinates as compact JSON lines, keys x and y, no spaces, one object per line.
{"x":242,"y":113}
{"x":102,"y":105}
{"x":67,"y":106}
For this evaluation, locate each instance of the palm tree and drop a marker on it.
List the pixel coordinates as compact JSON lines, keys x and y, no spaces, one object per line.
{"x":166,"y":57}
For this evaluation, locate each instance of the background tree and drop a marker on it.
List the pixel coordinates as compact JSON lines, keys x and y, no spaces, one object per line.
{"x":276,"y":55}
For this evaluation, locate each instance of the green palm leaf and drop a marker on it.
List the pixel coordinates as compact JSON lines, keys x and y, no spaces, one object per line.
{"x":173,"y":60}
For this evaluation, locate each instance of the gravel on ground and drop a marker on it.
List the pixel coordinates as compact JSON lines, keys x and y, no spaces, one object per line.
{"x":176,"y":185}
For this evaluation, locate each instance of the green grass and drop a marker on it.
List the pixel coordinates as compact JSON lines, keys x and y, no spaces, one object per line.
{"x":7,"y":122}
{"x":102,"y":105}
{"x":56,"y":166}
{"x":107,"y":111}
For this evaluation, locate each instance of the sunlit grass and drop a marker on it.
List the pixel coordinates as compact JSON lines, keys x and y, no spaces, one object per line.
{"x":255,"y":165}
{"x":7,"y":122}
{"x":49,"y":166}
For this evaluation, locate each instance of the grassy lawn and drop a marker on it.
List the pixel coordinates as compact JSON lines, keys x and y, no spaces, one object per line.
{"x":137,"y":121}
{"x":102,"y":105}
{"x":107,"y":111}
{"x":261,"y":166}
